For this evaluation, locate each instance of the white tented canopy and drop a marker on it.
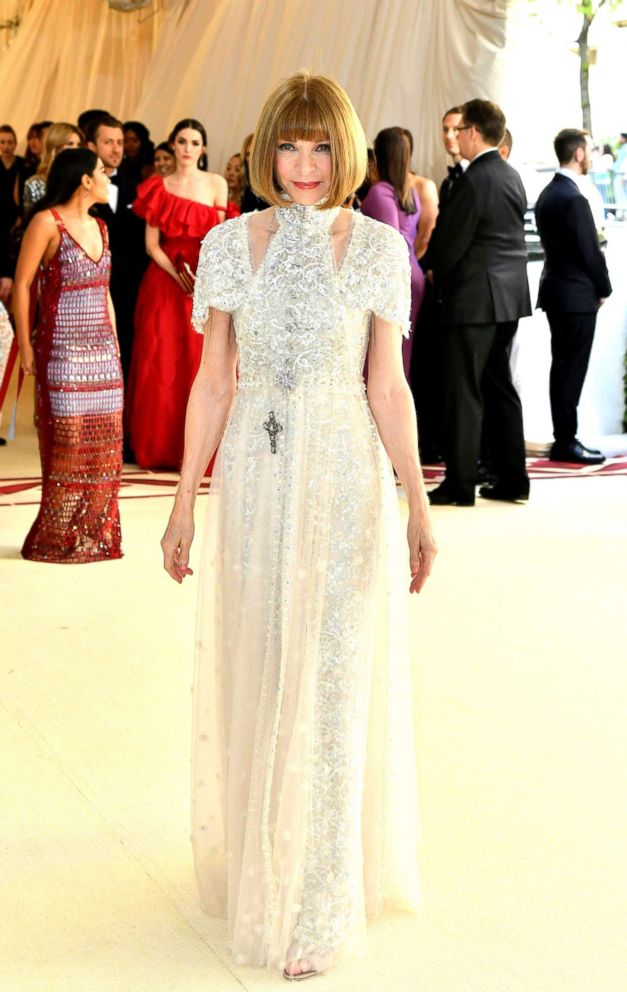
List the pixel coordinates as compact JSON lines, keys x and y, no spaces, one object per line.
{"x":402,"y":61}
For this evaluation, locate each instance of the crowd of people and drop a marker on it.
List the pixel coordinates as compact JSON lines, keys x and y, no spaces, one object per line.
{"x":162,"y":201}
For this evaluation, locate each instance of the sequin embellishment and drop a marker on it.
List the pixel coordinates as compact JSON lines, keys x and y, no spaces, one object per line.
{"x":79,"y":397}
{"x":303,"y":727}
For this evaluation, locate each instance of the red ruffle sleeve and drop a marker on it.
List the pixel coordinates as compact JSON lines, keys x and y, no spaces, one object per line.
{"x":175,"y":216}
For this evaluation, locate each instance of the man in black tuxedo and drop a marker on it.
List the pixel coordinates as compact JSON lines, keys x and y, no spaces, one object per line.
{"x":573,"y":285}
{"x":126,"y":232}
{"x":450,"y":139}
{"x":479,"y":271}
{"x":426,"y":371}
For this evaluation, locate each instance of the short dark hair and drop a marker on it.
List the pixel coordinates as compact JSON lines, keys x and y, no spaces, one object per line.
{"x":107,"y":121}
{"x":88,"y":119}
{"x":453,"y":110}
{"x":7,"y":129}
{"x":507,"y":139}
{"x":567,"y":142}
{"x":487,"y":118}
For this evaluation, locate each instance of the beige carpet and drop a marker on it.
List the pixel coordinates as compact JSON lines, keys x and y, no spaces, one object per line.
{"x":521,"y":697}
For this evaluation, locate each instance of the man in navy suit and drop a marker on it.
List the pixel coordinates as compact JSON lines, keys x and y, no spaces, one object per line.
{"x":573,"y":285}
{"x":479,"y":264}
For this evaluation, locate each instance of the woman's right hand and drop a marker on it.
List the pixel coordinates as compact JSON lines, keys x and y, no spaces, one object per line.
{"x":27,"y":359}
{"x":176,"y":543}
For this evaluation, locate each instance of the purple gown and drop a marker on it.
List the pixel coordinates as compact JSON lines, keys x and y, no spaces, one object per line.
{"x":382,"y":203}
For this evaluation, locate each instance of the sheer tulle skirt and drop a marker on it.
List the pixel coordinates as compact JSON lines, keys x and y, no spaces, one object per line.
{"x":305,"y":814}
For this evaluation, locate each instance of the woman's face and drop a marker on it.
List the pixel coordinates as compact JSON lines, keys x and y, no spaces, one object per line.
{"x":233,"y":172}
{"x":304,"y":169}
{"x":132,"y":144}
{"x":73,"y":141}
{"x":100,"y":183}
{"x":35,"y":144}
{"x":164,"y":162}
{"x":188,"y":147}
{"x":7,"y":144}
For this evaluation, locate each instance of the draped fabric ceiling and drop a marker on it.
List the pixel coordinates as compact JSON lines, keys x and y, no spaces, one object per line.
{"x":402,"y":61}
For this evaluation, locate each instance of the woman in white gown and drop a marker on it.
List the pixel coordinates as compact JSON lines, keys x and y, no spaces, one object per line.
{"x":305,"y":814}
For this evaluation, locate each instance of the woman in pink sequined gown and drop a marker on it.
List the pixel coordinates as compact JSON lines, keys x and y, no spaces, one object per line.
{"x":75,"y":357}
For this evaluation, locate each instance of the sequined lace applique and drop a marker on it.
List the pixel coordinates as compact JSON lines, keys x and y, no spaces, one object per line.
{"x":306,"y":501}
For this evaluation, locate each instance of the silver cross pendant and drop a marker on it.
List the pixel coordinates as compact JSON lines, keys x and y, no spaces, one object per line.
{"x":273,"y":427}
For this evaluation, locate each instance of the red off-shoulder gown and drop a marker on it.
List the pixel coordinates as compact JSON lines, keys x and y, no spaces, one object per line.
{"x":166,"y":349}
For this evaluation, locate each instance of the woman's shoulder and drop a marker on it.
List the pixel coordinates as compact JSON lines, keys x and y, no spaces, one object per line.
{"x":44,"y":219}
{"x":225,"y":236}
{"x":381,"y":190}
{"x":377,"y":235}
{"x":215,"y":179}
{"x":174,"y":215}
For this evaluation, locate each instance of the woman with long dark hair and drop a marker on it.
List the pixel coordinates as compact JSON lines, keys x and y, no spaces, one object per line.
{"x":394,"y":201}
{"x":75,"y":357}
{"x":178,"y":209}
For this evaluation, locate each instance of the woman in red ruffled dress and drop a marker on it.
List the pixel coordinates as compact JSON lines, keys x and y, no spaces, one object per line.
{"x":178,"y":209}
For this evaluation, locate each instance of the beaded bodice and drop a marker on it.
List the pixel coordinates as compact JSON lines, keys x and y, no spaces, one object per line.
{"x":301,"y":315}
{"x":71,"y":268}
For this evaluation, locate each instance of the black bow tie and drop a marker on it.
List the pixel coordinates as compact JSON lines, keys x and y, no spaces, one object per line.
{"x":454,"y":170}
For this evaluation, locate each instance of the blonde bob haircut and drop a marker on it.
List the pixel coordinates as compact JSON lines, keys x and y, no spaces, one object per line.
{"x":309,"y":108}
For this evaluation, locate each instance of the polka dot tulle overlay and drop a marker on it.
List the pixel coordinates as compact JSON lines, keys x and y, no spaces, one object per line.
{"x":79,"y":397}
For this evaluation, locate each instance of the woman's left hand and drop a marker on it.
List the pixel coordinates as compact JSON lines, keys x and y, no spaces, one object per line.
{"x":422,"y":549}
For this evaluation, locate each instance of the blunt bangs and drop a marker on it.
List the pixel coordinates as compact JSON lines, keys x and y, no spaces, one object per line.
{"x":309,"y":108}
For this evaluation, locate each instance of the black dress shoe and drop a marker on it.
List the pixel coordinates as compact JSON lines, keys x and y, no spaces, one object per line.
{"x":575,"y":453}
{"x":441,"y":496}
{"x":588,"y":451}
{"x":501,"y":493}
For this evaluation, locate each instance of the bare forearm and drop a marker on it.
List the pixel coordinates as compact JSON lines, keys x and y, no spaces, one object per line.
{"x":159,"y":256}
{"x":395,"y":416}
{"x":207,"y":412}
{"x":422,"y":240}
{"x":21,"y":312}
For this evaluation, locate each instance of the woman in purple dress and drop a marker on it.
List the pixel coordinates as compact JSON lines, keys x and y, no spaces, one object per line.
{"x":394,"y":201}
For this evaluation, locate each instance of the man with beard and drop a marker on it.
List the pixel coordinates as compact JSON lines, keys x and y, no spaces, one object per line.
{"x":126,"y":234}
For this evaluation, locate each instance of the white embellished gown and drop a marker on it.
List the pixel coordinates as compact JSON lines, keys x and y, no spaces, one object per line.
{"x":305,"y":813}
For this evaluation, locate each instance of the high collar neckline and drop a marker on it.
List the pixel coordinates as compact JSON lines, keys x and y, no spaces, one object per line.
{"x":298,"y":215}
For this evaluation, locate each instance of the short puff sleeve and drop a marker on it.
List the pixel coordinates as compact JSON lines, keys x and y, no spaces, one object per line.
{"x":220,"y":276}
{"x":389,"y":275}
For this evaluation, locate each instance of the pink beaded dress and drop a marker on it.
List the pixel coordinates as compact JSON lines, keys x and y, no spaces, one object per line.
{"x":79,"y":397}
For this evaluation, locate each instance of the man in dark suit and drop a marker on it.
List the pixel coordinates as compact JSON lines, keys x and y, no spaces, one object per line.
{"x":426,"y":372}
{"x":126,"y":232}
{"x":479,"y":271}
{"x":450,"y":141}
{"x":573,"y":285}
